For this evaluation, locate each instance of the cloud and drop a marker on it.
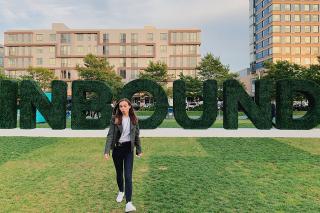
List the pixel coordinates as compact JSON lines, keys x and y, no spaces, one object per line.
{"x":224,"y":24}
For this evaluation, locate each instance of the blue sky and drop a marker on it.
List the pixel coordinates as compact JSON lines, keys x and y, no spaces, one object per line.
{"x":224,"y":24}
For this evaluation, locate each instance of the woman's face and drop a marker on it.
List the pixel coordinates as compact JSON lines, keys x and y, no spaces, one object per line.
{"x":124,"y":107}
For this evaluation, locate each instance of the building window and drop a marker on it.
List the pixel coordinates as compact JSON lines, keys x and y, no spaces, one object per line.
{"x":39,"y":37}
{"x":65,"y":38}
{"x":314,"y":18}
{"x":307,"y":29}
{"x":163,"y":49}
{"x":52,"y":61}
{"x":39,"y":61}
{"x":306,"y":39}
{"x":79,"y":37}
{"x":193,"y":37}
{"x":314,"y":7}
{"x":314,"y":50}
{"x":275,"y":17}
{"x":39,"y":50}
{"x":315,"y":29}
{"x":296,"y":50}
{"x":287,"y":18}
{"x":123,"y":62}
{"x":193,"y":49}
{"x":122,"y":50}
{"x":286,"y":40}
{"x":134,"y":74}
{"x":134,"y":62}
{"x":80,"y":49}
{"x":297,"y":61}
{"x":286,"y":7}
{"x":193,"y":61}
{"x":276,"y":50}
{"x":307,"y":18}
{"x":286,"y":50}
{"x":276,"y":29}
{"x":65,"y":50}
{"x":89,"y":37}
{"x":123,"y":38}
{"x":123,"y":73}
{"x":52,"y":37}
{"x":64,"y":62}
{"x":163,"y":60}
{"x":314,"y":39}
{"x":307,"y":61}
{"x":134,"y":37}
{"x":305,"y":50}
{"x":149,"y":49}
{"x":276,"y":39}
{"x":105,"y":37}
{"x":134,"y":50}
{"x":297,"y":29}
{"x":105,"y":50}
{"x":276,"y":7}
{"x":306,"y":7}
{"x":296,"y":7}
{"x":163,"y":36}
{"x":297,"y":18}
{"x":52,"y":49}
{"x":149,"y":36}
{"x":296,"y":40}
{"x":286,"y":29}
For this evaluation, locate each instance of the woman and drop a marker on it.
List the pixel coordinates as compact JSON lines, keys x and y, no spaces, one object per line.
{"x":123,"y":135}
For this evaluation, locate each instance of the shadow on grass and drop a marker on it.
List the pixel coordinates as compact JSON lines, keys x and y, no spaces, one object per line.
{"x":239,"y":175}
{"x":13,"y":147}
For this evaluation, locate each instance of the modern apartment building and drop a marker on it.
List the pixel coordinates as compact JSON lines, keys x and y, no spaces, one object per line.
{"x":1,"y":55}
{"x":284,"y":30}
{"x":247,"y":78}
{"x":60,"y":49}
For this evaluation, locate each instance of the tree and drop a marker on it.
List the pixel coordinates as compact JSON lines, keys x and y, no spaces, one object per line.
{"x":2,"y":75}
{"x":193,"y":86}
{"x":286,"y":70}
{"x":210,"y":67}
{"x":100,"y":69}
{"x":282,"y":70}
{"x":42,"y":76}
{"x":156,"y":71}
{"x":312,"y":73}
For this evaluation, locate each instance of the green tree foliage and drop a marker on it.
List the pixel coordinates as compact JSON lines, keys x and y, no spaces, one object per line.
{"x":100,"y":69}
{"x":210,"y":67}
{"x":286,"y":70}
{"x":156,"y":71}
{"x":193,"y":85}
{"x":42,"y":76}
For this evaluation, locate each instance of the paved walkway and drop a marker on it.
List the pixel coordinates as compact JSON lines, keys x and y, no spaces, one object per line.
{"x":167,"y":132}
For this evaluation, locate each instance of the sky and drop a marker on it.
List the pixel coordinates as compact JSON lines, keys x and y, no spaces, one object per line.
{"x":224,"y":24}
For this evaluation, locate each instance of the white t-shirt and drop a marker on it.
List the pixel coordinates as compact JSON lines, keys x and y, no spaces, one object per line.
{"x":125,"y":136}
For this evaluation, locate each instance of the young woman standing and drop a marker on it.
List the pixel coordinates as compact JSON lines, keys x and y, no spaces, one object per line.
{"x":122,"y":137}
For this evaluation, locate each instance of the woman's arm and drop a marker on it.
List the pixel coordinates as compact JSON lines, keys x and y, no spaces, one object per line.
{"x":110,"y":137}
{"x":137,"y":140}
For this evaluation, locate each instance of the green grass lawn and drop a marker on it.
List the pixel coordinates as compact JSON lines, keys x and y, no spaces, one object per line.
{"x":174,"y":175}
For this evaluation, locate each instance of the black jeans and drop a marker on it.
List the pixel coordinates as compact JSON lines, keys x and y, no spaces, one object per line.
{"x":123,"y":156}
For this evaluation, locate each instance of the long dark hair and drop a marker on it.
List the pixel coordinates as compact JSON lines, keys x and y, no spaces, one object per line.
{"x":118,"y":114}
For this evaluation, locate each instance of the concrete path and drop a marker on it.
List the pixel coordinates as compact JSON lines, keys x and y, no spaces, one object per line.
{"x":167,"y":132}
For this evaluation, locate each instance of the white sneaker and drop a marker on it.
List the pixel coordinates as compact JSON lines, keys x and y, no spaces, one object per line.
{"x":120,"y":197}
{"x":130,"y":207}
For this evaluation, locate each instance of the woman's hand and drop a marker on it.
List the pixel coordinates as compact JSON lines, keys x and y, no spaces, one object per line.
{"x":139,"y":155}
{"x":106,"y":156}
